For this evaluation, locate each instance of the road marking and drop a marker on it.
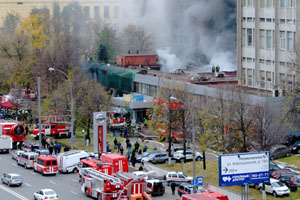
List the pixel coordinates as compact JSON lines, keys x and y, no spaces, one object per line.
{"x":52,"y":182}
{"x":13,"y":193}
{"x":74,"y":192}
{"x":28,"y":184}
{"x":74,"y":180}
{"x":14,"y":164}
{"x":33,"y":173}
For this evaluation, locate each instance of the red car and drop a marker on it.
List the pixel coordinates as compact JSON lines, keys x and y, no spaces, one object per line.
{"x":276,"y":173}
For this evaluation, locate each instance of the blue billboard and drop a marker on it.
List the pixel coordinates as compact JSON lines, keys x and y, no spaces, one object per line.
{"x":244,"y":168}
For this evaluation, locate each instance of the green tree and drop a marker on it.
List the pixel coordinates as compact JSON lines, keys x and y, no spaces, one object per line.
{"x":102,"y":54}
{"x":108,"y":38}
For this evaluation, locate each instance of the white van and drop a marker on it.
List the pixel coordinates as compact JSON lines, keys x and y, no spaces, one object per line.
{"x":69,"y":161}
{"x":26,"y":159}
{"x":5,"y":143}
{"x":276,"y":188}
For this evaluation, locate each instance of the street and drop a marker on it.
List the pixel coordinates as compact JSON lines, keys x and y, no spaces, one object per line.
{"x":65,"y":185}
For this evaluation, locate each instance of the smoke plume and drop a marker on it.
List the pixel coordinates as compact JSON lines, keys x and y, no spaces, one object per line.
{"x":193,"y":33}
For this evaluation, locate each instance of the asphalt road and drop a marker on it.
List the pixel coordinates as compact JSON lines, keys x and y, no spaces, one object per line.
{"x":65,"y":185}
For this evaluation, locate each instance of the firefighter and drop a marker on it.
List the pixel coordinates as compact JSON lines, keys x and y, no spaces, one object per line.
{"x":145,"y":148}
{"x":217,"y":68}
{"x":133,"y":159}
{"x":173,"y":187}
{"x":136,"y":146}
{"x":121,"y":150}
{"x":125,"y":131}
{"x":213,"y":69}
{"x":115,"y":143}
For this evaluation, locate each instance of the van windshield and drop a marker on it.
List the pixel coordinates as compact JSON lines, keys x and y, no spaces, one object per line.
{"x":54,"y":162}
{"x":31,"y":157}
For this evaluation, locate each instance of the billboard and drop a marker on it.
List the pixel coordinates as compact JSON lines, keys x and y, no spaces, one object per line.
{"x":244,"y":168}
{"x":99,"y":132}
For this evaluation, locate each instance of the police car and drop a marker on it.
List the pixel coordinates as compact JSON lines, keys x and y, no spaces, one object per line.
{"x":177,"y":177}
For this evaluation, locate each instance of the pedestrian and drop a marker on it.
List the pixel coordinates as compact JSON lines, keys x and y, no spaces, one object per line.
{"x":145,"y":148}
{"x":50,"y":150}
{"x":66,"y":149}
{"x":26,"y":129}
{"x":55,"y":149}
{"x":53,"y":142}
{"x":140,"y":151}
{"x":127,"y":142}
{"x":115,"y":132}
{"x":48,"y":141}
{"x":107,"y":147}
{"x":133,"y":160}
{"x":173,"y":187}
{"x":121,"y":150}
{"x":58,"y":147}
{"x":128,"y":157}
{"x":44,"y":142}
{"x":125,"y":131}
{"x":115,"y":143}
{"x":119,"y":145}
{"x":141,"y":168}
{"x":136,"y":145}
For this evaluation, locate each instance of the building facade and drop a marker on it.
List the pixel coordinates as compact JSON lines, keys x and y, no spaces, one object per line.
{"x":267,"y":32}
{"x":108,"y":11}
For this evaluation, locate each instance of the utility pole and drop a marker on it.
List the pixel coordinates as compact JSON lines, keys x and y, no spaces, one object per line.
{"x":170,"y":134}
{"x":194,"y":153}
{"x":184,"y":140}
{"x":39,"y":110}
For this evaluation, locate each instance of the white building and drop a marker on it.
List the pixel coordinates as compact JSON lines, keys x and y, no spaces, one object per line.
{"x":266,"y":38}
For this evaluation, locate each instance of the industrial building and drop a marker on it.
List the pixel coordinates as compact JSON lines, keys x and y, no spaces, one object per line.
{"x":266,"y":43}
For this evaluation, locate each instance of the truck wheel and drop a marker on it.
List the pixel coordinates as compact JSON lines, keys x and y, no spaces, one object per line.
{"x":86,"y":192}
{"x":75,"y":170}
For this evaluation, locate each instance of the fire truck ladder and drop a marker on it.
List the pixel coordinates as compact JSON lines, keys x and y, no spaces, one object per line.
{"x":99,"y":175}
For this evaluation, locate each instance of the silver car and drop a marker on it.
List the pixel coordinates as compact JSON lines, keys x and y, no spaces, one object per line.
{"x":12,"y":179}
{"x":15,"y":154}
{"x":156,"y":158}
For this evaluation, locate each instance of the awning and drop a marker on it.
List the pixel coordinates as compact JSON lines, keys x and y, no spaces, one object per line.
{"x":10,"y":104}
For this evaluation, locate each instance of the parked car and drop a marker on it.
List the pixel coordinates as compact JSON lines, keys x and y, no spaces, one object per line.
{"x":185,"y":188}
{"x":45,"y":194}
{"x":26,"y":159}
{"x":296,"y":180}
{"x":295,"y":148}
{"x":279,"y":151}
{"x":44,"y":152}
{"x":155,"y":187}
{"x":179,"y":156}
{"x":292,"y":138}
{"x":15,"y":154}
{"x":276,"y":173}
{"x":12,"y":179}
{"x":276,"y":188}
{"x":145,"y":154}
{"x":286,"y":178}
{"x":177,"y":177}
{"x":30,"y":147}
{"x":274,"y":167}
{"x":156,"y":158}
{"x":141,"y":174}
{"x":174,"y":149}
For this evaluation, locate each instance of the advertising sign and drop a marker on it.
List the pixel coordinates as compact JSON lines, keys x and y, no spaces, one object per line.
{"x":99,"y":130}
{"x":244,"y":168}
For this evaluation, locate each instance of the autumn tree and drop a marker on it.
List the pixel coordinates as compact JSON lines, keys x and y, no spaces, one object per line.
{"x":108,"y":38}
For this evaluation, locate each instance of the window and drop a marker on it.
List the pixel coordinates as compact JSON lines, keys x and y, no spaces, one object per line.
{"x":269,"y":3}
{"x":290,"y":3}
{"x":262,"y":3}
{"x":249,"y":60}
{"x":289,"y":21}
{"x":249,"y":3}
{"x":282,"y":3}
{"x":48,"y":163}
{"x":249,"y":19}
{"x":262,"y":79}
{"x":282,"y":21}
{"x":249,"y":72}
{"x":244,"y":37}
{"x":262,"y":61}
{"x":116,"y":12}
{"x":54,"y":162}
{"x":249,"y":37}
{"x":269,"y":39}
{"x":290,"y":44}
{"x":244,"y":76}
{"x":269,"y":20}
{"x":96,"y":12}
{"x":262,"y":35}
{"x":106,"y":12}
{"x":87,"y":12}
{"x":268,"y":62}
{"x":282,"y":39}
{"x":268,"y":76}
{"x":262,"y":19}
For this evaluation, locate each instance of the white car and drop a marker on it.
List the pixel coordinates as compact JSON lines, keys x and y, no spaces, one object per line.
{"x":177,"y":177}
{"x":44,"y":194}
{"x":178,"y":155}
{"x":276,"y":188}
{"x":141,"y":174}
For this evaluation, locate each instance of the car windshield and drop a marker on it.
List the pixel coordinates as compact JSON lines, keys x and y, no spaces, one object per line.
{"x":50,"y":193}
{"x":277,"y":184}
{"x":16,"y":177}
{"x":297,"y":143}
{"x":287,"y":175}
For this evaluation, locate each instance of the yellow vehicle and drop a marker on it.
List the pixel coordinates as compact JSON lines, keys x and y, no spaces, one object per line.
{"x":141,"y":196}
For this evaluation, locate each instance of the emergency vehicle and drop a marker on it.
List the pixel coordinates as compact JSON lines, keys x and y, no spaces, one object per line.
{"x":53,"y":129}
{"x":118,"y":162}
{"x":46,"y":165}
{"x":69,"y":161}
{"x":116,"y":119}
{"x":155,"y":187}
{"x":98,"y":185}
{"x":197,"y":197}
{"x":5,"y":143}
{"x":13,"y":129}
{"x":28,"y":93}
{"x":26,"y":159}
{"x":137,"y":185}
{"x":96,"y":164}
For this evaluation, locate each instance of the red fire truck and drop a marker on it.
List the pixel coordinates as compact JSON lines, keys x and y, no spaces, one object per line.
{"x":99,"y":185}
{"x":137,"y":186}
{"x":116,"y":119}
{"x":94,"y":164}
{"x":28,"y":93}
{"x":13,"y":129}
{"x":53,"y":129}
{"x":118,"y":162}
{"x":46,"y":165}
{"x":197,"y":197}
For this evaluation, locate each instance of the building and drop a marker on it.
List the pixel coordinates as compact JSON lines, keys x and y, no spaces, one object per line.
{"x":266,"y":38}
{"x":108,"y":11}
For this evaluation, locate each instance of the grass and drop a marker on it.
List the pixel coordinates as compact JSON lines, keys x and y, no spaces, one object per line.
{"x":212,"y":177}
{"x":292,"y":160}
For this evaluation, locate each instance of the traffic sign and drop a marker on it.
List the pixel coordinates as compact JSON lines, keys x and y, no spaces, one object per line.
{"x":244,"y":168}
{"x":72,"y":139}
{"x":198,"y":181}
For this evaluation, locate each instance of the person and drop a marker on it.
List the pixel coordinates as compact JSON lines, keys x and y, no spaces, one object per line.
{"x":213,"y":69}
{"x":115,"y":132}
{"x":58,"y":147}
{"x":217,"y":68}
{"x":140,"y":151}
{"x":125,"y":131}
{"x":173,"y":187}
{"x":50,"y":150}
{"x":119,"y":145}
{"x":141,"y":168}
{"x":121,"y":150}
{"x":145,"y":148}
{"x":55,"y":149}
{"x":133,"y":159}
{"x":48,"y":141}
{"x":107,"y":147}
{"x":115,"y":143}
{"x":66,"y":149}
{"x":129,"y":148}
{"x":26,"y":130}
{"x":44,"y":142}
{"x":127,"y":142}
{"x":136,"y":146}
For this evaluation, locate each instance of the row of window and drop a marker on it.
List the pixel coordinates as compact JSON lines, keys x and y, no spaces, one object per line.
{"x":268,"y":3}
{"x":106,"y":12}
{"x":268,"y":62}
{"x":282,"y":21}
{"x":266,"y":39}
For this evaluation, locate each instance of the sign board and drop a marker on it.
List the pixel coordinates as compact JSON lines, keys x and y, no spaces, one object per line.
{"x":72,"y":139}
{"x":244,"y":168}
{"x":138,"y":98}
{"x":198,"y":181}
{"x":99,"y":132}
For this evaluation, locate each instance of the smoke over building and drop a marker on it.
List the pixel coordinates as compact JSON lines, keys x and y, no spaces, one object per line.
{"x":196,"y":32}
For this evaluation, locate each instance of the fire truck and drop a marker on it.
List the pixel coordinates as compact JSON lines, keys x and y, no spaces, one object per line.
{"x":119,"y":163}
{"x":53,"y":129}
{"x":96,"y":164}
{"x":13,"y":129}
{"x":137,"y":186}
{"x":116,"y":118}
{"x":99,"y":185}
{"x":27,"y":93}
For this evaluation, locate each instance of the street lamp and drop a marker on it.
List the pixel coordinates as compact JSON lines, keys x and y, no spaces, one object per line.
{"x":135,"y":179}
{"x":72,"y":105}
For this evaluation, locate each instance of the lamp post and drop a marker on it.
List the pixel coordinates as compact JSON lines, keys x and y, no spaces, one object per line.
{"x":138,"y":178}
{"x":170,"y":135}
{"x":72,"y":105}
